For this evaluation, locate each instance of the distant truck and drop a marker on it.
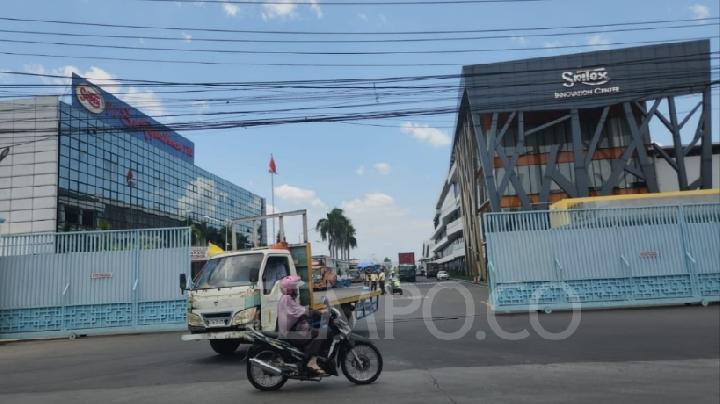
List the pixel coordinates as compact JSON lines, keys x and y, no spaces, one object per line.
{"x":407,"y":273}
{"x":406,"y":258}
{"x":406,"y":266}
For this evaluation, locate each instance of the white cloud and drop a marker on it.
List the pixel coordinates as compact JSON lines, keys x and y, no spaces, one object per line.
{"x":270,"y":209}
{"x":519,"y":40}
{"x":383,"y":227}
{"x":699,"y":11}
{"x":598,"y":41}
{"x":363,"y":16}
{"x":360,"y":170}
{"x":382,"y":168}
{"x":287,"y":9}
{"x":145,"y":100}
{"x":552,"y":44}
{"x":369,"y":203}
{"x":315,"y":6}
{"x":201,"y":105}
{"x":230,"y":9}
{"x":187,"y":37}
{"x":425,"y":133}
{"x":298,"y":196}
{"x":278,"y":10}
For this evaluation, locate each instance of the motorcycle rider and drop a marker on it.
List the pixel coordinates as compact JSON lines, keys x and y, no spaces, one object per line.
{"x":293,"y":323}
{"x":395,"y":284}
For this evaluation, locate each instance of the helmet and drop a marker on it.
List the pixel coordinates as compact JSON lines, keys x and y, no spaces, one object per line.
{"x":290,"y":283}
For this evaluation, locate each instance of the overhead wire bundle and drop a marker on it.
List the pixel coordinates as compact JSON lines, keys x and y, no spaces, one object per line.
{"x":205,"y":105}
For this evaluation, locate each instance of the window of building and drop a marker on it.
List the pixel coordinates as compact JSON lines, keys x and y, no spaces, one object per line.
{"x":88,"y":218}
{"x":72,"y":215}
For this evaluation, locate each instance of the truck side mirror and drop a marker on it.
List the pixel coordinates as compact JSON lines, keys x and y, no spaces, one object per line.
{"x":183,"y":283}
{"x":254,"y":275}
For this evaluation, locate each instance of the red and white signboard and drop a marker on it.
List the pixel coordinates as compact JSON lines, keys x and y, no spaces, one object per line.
{"x":90,"y":98}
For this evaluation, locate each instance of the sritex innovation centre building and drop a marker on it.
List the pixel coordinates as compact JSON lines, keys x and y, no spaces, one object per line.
{"x":535,"y":131}
{"x":100,"y":163}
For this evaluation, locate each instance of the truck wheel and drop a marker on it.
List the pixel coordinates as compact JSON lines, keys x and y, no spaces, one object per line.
{"x":224,"y":347}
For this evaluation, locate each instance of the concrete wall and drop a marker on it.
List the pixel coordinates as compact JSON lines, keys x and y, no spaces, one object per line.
{"x":667,"y":177}
{"x":28,"y":175}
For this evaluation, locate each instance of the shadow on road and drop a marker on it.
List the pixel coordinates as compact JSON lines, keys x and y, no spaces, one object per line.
{"x":238,"y":357}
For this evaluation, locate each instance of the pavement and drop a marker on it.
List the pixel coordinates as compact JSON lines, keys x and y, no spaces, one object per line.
{"x":439,"y":343}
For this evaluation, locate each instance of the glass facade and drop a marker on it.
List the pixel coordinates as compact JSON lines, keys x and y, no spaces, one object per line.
{"x":109,"y":179}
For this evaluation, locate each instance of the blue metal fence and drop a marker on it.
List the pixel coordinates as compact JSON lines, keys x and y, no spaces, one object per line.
{"x":64,"y":284}
{"x":596,"y":258}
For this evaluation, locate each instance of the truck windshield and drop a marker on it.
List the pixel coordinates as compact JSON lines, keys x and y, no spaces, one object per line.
{"x":237,"y":270}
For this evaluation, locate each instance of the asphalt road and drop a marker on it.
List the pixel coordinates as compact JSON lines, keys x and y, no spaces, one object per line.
{"x":439,"y":343}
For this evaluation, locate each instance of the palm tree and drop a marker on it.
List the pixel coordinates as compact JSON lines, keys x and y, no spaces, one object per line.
{"x":348,"y":240}
{"x":339,"y":232}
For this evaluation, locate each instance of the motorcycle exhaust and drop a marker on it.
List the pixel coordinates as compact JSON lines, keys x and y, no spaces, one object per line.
{"x":267,"y":367}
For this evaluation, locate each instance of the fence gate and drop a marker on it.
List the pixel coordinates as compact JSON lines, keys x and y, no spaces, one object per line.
{"x":74,"y":283}
{"x":559,"y":260}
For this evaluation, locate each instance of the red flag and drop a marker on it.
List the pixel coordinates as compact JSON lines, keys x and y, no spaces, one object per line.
{"x":272,"y":168}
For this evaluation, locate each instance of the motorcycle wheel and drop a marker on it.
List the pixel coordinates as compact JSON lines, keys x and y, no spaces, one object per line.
{"x":259,"y":378}
{"x":366,"y":368}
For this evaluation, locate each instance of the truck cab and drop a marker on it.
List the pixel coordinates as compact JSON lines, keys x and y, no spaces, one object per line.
{"x":231,"y":287}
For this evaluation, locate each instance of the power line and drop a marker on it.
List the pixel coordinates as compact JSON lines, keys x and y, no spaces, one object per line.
{"x":350,"y":3}
{"x":86,"y":24}
{"x":304,"y":53}
{"x":371,"y":82}
{"x":696,"y":24}
{"x":638,"y":94}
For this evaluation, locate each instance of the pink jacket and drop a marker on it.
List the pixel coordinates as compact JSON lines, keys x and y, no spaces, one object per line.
{"x":289,"y":312}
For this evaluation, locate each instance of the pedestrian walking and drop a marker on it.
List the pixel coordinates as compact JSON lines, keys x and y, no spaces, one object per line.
{"x":373,"y":280}
{"x":381,"y":281}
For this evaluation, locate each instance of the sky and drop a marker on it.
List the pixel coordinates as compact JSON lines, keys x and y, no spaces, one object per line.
{"x":385,"y":174}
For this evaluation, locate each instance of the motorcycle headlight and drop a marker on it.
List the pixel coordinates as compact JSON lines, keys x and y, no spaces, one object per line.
{"x":194,"y":319}
{"x":244,"y":316}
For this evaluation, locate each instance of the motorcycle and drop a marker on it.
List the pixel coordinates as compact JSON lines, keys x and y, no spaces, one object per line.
{"x":272,"y":361}
{"x":395,"y":287}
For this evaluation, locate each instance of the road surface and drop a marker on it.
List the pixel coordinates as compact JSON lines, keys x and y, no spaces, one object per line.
{"x":641,"y":355}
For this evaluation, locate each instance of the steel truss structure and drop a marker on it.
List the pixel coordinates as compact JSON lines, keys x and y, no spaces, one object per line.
{"x":485,"y":170}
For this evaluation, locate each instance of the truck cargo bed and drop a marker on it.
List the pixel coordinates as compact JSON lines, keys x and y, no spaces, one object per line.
{"x":342,"y":295}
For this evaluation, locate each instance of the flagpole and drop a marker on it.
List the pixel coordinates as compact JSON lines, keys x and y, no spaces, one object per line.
{"x":272,"y":189}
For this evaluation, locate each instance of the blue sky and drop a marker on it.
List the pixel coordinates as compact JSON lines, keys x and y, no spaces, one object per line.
{"x":387,"y":177}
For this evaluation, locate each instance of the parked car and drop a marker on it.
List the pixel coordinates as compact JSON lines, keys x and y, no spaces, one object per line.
{"x":442,"y":276}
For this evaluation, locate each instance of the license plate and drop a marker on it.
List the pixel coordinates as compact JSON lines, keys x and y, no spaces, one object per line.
{"x":216,"y":322}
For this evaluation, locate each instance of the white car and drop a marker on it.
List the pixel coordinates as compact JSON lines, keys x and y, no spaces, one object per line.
{"x":442,"y":276}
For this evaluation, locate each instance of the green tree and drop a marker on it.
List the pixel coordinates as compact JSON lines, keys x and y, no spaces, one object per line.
{"x":338,"y":231}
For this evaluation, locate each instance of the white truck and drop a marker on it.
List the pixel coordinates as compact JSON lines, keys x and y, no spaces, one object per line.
{"x":239,"y":290}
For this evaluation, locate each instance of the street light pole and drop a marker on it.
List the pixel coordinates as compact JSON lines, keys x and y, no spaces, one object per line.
{"x":227,"y":243}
